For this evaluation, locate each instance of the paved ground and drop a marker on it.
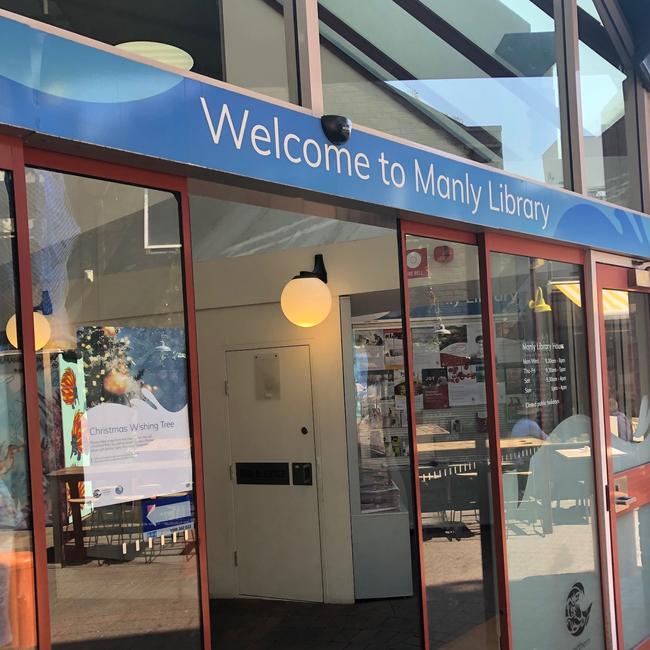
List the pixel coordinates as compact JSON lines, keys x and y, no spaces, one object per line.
{"x":276,"y":625}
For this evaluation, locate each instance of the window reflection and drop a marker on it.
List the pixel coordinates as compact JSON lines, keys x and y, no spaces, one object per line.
{"x":117,"y":462}
{"x":17,"y":605}
{"x":239,"y":41}
{"x":627,"y":341}
{"x":421,"y":66}
{"x":627,"y":338}
{"x":546,"y":450}
{"x":605,"y":89}
{"x":452,"y":443}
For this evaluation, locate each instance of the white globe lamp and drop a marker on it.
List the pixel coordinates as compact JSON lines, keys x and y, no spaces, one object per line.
{"x":306,"y":299}
{"x":42,"y":331}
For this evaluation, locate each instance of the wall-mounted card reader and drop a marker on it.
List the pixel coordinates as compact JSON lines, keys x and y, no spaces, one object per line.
{"x":302,"y":474}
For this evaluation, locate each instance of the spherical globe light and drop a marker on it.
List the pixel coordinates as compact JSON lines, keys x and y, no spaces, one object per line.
{"x":42,"y":331}
{"x":306,"y":301}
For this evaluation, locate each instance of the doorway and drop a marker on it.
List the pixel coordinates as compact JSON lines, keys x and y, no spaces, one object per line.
{"x":275,"y":494}
{"x":288,"y":556}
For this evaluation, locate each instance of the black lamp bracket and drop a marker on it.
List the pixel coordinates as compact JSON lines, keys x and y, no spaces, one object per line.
{"x":319,"y":271}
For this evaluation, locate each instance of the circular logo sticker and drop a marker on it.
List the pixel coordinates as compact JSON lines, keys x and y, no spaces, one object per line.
{"x":413,"y":259}
{"x":577,"y":616}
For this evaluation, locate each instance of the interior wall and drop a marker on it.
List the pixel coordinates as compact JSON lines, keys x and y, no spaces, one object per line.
{"x":238,"y":307}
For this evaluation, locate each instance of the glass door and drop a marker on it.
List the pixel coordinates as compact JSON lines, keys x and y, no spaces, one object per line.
{"x":625,"y":345}
{"x":121,"y":518}
{"x":449,"y":437}
{"x":550,"y":508}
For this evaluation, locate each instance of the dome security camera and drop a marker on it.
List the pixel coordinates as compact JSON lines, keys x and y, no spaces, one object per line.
{"x":337,"y":128}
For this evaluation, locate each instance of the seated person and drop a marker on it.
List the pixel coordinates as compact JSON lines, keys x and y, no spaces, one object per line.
{"x":619,"y":422}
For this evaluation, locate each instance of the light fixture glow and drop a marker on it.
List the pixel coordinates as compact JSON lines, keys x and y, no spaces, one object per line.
{"x":441,"y":330}
{"x":306,"y":301}
{"x":42,"y":331}
{"x":160,"y":52}
{"x":539,"y":305}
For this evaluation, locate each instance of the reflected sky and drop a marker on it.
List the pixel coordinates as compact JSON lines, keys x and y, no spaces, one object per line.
{"x":525,"y":109}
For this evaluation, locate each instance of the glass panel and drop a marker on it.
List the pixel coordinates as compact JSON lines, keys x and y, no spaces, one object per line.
{"x":17,"y":604}
{"x":239,"y":41}
{"x":421,"y":65}
{"x":633,"y":539}
{"x":627,"y":344}
{"x":381,"y":418}
{"x":609,"y":130}
{"x":627,"y":341}
{"x":546,"y":448}
{"x":116,"y":441}
{"x":452,"y":442}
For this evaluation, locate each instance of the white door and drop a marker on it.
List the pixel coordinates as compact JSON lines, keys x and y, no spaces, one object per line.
{"x":271,"y":427}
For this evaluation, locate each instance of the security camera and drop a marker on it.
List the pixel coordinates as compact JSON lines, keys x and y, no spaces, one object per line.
{"x":337,"y":128}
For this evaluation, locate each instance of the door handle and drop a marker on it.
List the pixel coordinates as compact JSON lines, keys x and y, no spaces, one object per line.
{"x":625,"y":500}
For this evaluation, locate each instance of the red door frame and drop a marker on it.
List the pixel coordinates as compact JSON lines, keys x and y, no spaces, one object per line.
{"x":616,"y":277}
{"x":15,"y":157}
{"x":514,"y":245}
{"x":462,"y":237}
{"x":487,"y":243}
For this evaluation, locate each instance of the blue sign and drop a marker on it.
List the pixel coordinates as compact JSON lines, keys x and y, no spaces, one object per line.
{"x":65,"y":89}
{"x":166,"y":515}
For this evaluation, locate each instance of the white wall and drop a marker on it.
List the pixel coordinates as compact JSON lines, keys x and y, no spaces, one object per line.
{"x":237,"y":301}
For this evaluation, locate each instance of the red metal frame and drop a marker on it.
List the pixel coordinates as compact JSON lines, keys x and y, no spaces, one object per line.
{"x":486,"y":244}
{"x":462,"y":237}
{"x":133,"y":176}
{"x":501,"y":243}
{"x":408,"y":364}
{"x":496,"y":475}
{"x":616,"y":277}
{"x":11,"y":158}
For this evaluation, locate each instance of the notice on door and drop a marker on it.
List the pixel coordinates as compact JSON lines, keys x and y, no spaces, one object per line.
{"x":544,"y":373}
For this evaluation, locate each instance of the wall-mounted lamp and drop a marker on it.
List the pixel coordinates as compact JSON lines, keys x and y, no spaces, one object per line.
{"x":306,"y":299}
{"x":42,"y":329}
{"x":539,"y":305}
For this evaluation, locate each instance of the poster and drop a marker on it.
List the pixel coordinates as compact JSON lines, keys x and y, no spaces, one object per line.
{"x":137,"y":424}
{"x":453,"y":346}
{"x":380,"y":385}
{"x":426,"y":349}
{"x":72,"y":394}
{"x":393,"y":348}
{"x":464,"y":387}
{"x":72,"y":397}
{"x":369,"y":349}
{"x":435,"y":389}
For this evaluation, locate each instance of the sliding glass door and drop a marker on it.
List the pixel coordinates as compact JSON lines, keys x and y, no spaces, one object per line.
{"x":450,"y":438}
{"x":625,"y":343}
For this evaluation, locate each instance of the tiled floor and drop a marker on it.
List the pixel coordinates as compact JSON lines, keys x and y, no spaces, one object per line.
{"x":276,"y":625}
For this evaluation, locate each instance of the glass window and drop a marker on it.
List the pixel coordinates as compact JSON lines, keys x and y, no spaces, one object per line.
{"x":17,"y":604}
{"x":452,"y":443}
{"x":415,"y":70}
{"x":607,"y":103}
{"x":239,"y":41}
{"x":546,"y":447}
{"x":117,"y":460}
{"x":627,"y":337}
